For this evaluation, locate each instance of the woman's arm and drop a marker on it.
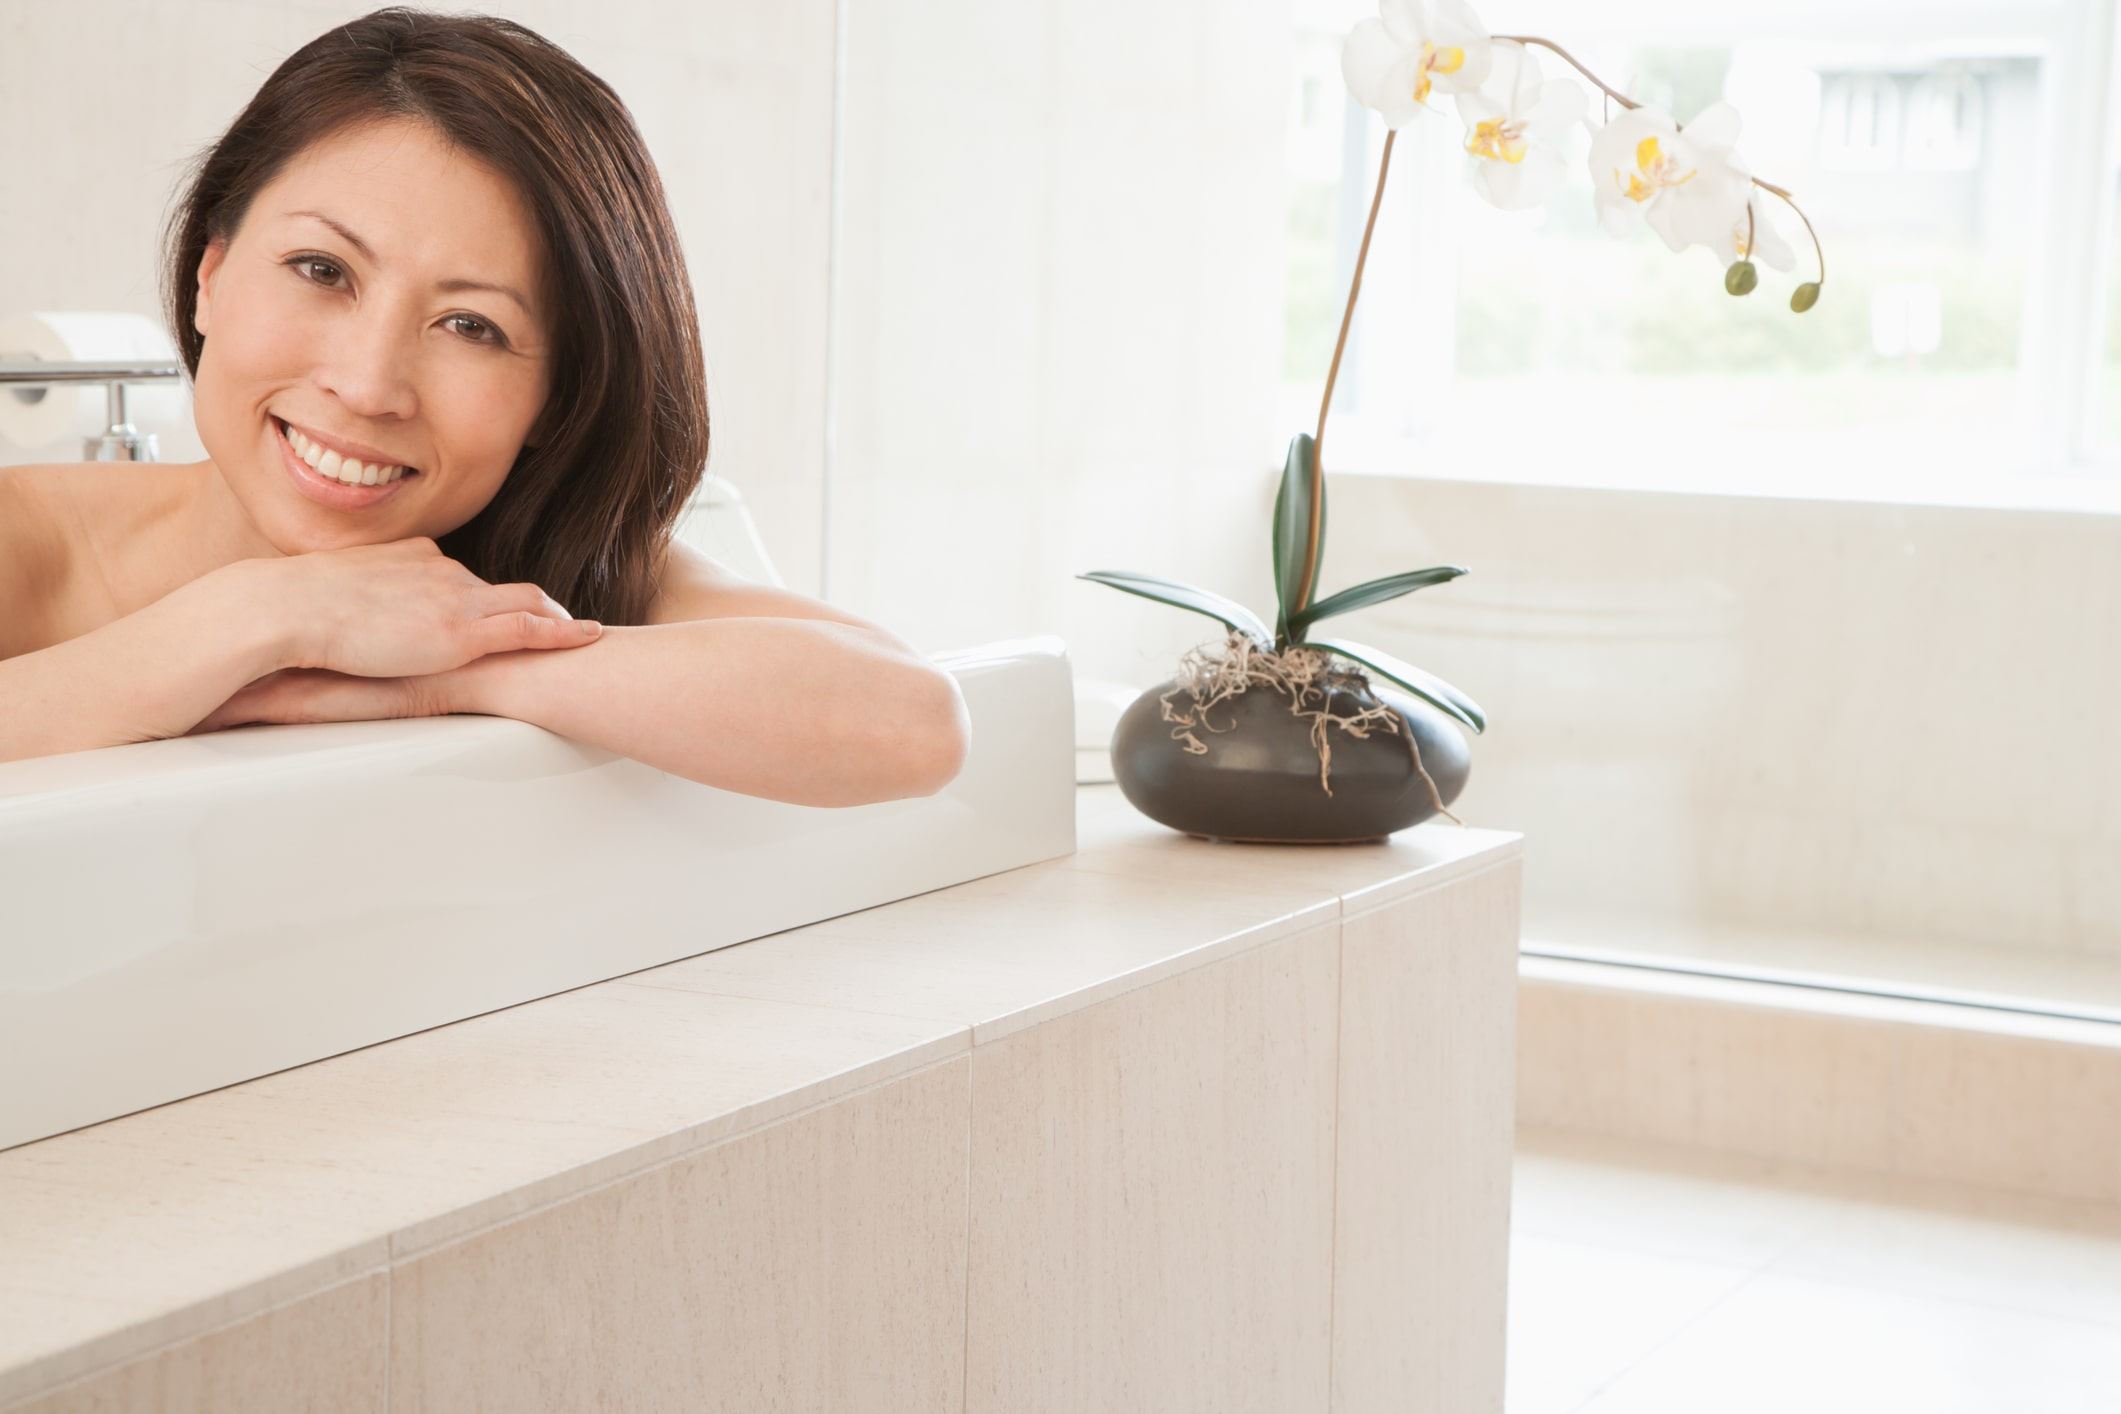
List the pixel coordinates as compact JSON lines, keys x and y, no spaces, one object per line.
{"x":152,"y":674}
{"x":809,"y":711}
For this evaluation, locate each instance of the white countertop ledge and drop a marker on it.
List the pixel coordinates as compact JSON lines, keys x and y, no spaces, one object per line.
{"x":126,"y":1236}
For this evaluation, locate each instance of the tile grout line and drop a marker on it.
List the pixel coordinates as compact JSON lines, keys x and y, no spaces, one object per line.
{"x":1844,"y":1171}
{"x":164,"y":1347}
{"x":1696,"y":1319}
{"x":1454,"y":873}
{"x":1243,"y":946}
{"x":1428,"y":876}
{"x":964,"y":1396}
{"x":1340,"y":1024}
{"x":390,"y":1330}
{"x":690,"y":1151}
{"x":1279,"y":928}
{"x":781,"y":1001}
{"x":1903,"y":1294}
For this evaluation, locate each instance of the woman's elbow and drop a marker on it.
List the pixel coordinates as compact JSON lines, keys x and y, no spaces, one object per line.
{"x":945,"y":733}
{"x":907,"y":735}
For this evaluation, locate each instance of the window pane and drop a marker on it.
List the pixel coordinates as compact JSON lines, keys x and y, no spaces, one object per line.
{"x":1922,"y":170}
{"x":1911,"y":353}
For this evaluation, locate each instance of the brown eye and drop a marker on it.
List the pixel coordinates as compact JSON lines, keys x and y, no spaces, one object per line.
{"x":304,"y":262}
{"x":482,"y":332}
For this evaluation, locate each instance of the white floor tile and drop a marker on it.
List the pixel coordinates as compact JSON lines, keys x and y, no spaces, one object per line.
{"x":1581,"y":1315}
{"x":1647,"y":1279}
{"x":1781,"y":1345}
{"x":1663,"y":1201}
{"x":2042,"y":1257}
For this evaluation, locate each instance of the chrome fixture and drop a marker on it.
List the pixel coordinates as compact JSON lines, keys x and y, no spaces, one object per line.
{"x":120,"y":441}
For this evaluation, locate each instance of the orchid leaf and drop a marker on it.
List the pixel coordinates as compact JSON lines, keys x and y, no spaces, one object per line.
{"x":1376,"y":591}
{"x":1292,"y":529}
{"x":1427,"y":686}
{"x":1185,"y":596}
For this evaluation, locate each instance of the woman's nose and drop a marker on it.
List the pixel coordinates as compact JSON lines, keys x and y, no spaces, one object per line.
{"x":367,"y":364}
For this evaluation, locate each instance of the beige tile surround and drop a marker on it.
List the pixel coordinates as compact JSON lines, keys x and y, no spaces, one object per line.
{"x":994,"y":1139}
{"x":1910,"y":1089}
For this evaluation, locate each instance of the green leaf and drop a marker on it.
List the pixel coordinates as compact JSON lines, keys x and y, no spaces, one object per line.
{"x":1185,"y":596}
{"x":1427,"y":686}
{"x":1375,"y":591}
{"x":1292,"y":526}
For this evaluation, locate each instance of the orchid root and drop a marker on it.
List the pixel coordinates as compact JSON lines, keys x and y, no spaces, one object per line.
{"x":1212,"y":676}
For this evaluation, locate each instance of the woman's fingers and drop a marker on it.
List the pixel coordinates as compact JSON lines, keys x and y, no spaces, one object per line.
{"x":504,"y":633}
{"x":501,"y":598}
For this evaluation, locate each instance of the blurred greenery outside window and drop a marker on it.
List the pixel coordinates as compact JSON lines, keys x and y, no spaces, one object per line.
{"x":1533,"y":345}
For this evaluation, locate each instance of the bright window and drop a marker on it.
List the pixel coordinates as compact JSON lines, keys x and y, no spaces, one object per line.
{"x":1955,"y":158}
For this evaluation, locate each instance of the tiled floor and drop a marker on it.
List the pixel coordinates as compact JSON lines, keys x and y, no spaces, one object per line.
{"x":1649,"y":1280}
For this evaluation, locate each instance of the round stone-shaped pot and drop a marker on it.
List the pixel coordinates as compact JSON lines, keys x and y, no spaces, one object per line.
{"x":1258,"y":781}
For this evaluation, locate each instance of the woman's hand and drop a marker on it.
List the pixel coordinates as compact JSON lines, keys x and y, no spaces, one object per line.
{"x":401,"y":609}
{"x":321,"y":695}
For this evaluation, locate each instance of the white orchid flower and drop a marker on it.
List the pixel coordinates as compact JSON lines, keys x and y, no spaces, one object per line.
{"x":1768,"y":246}
{"x":1688,"y":184}
{"x":1514,"y":124}
{"x":1391,"y":63}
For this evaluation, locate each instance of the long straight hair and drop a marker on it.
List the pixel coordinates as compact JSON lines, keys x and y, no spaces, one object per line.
{"x":587,"y":509}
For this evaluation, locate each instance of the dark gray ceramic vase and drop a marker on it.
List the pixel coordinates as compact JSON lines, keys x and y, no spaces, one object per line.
{"x":1258,"y":781}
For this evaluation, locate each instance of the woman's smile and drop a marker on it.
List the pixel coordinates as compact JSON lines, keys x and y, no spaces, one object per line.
{"x":322,"y":473}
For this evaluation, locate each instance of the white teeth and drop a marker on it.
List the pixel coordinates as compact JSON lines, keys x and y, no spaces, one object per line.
{"x":350,"y":470}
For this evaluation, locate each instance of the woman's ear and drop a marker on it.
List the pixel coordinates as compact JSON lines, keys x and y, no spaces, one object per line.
{"x":209,"y":262}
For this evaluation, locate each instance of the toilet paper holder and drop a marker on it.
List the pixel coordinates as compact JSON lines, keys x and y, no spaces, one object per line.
{"x":120,"y":441}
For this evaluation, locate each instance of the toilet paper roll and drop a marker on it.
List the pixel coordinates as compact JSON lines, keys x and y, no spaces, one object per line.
{"x":55,"y":418}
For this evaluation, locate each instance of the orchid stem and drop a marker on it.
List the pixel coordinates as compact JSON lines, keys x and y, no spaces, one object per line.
{"x":1318,"y":442}
{"x":1818,"y":250}
{"x":1570,"y":59}
{"x":1624,"y":101}
{"x":1305,"y":586}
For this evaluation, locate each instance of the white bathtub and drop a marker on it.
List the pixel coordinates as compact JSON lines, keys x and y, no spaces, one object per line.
{"x":181,"y":915}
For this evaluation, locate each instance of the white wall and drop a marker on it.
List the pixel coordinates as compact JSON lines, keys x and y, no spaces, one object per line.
{"x":1058,"y":326}
{"x":103,"y":102}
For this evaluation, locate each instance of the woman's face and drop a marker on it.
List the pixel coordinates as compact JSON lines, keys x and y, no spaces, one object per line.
{"x":382,"y":297}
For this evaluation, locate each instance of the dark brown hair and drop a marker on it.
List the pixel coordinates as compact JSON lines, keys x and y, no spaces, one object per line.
{"x":587,"y":509}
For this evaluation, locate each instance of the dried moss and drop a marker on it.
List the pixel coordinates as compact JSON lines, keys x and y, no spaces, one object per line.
{"x":1302,"y":675}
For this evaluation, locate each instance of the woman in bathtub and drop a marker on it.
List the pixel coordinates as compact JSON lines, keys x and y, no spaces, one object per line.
{"x":447,"y":372}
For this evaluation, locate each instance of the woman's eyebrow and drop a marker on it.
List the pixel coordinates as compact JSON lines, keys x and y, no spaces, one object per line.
{"x":451,"y":286}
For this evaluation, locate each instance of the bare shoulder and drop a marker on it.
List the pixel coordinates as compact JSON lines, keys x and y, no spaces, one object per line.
{"x":691,"y":585}
{"x":33,"y":554}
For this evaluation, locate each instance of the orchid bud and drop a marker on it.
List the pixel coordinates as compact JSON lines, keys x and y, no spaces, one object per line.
{"x":1804,"y":296}
{"x":1741,"y":277}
